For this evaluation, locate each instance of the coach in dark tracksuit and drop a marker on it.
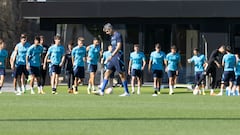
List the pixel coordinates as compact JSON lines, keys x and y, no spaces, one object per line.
{"x":212,"y":65}
{"x":68,"y":66}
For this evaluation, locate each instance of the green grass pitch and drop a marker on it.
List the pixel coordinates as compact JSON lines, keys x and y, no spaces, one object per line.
{"x":66,"y":114}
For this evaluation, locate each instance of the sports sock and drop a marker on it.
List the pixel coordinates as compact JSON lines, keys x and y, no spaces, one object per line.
{"x":125,"y":85}
{"x":159,"y":89}
{"x":0,"y":87}
{"x":89,"y":86}
{"x":237,"y":92}
{"x":133,"y":88}
{"x":105,"y":82}
{"x":171,"y":89}
{"x":211,"y":91}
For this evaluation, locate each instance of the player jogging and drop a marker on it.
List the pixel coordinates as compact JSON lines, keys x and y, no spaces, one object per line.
{"x":56,"y":53}
{"x":173,"y":62}
{"x":33,"y":64}
{"x":20,"y":59}
{"x":78,"y":60}
{"x":94,"y":52}
{"x":156,"y":66}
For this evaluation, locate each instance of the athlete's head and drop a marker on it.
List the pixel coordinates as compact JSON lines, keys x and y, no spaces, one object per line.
{"x":136,"y":47}
{"x":41,"y":39}
{"x":37,"y":40}
{"x":57,"y":39}
{"x":110,"y":48}
{"x":157,"y":47}
{"x":80,"y":41}
{"x":195,"y":51}
{"x":173,"y":49}
{"x":221,"y":49}
{"x":108,"y":29}
{"x":95,"y":41}
{"x":70,"y":45}
{"x":23,"y":38}
{"x":228,"y":49}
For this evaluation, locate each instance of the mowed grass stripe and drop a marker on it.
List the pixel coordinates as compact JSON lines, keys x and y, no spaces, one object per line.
{"x":181,"y":113}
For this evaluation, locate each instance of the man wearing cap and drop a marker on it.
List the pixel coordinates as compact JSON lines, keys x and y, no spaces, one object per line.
{"x":115,"y":61}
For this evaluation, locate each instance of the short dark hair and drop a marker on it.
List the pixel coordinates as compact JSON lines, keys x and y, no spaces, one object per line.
{"x":95,"y":38}
{"x":157,"y":45}
{"x":222,"y":46}
{"x":196,"y":49}
{"x":228,"y":48}
{"x":136,"y":45}
{"x":37,"y":38}
{"x":41,"y":37}
{"x":71,"y":43}
{"x":174,"y":47}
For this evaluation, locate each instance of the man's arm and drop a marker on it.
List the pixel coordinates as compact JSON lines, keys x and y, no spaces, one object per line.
{"x":14,"y":57}
{"x":149,"y":65}
{"x":45,"y":61}
{"x":62,"y":61}
{"x":129,"y":66}
{"x":118,"y":48}
{"x":144,"y":63}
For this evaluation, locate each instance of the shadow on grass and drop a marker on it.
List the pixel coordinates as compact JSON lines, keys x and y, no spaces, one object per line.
{"x":120,"y":119}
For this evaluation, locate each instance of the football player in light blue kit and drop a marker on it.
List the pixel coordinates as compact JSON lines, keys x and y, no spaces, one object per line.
{"x":237,"y":76}
{"x":20,"y":59}
{"x":57,"y":55}
{"x":94,"y":52}
{"x":156,"y":66}
{"x":78,"y":60}
{"x":33,"y":63}
{"x":199,"y":61}
{"x":136,"y":66}
{"x":173,"y":62}
{"x":106,"y":55}
{"x":228,"y":77}
{"x":3,"y":57}
{"x":116,"y":62}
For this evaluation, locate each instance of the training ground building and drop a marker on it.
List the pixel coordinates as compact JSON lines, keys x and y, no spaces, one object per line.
{"x":204,"y":24}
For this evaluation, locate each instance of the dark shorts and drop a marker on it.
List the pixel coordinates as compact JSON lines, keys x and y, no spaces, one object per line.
{"x":92,"y":68}
{"x":116,"y":64}
{"x":157,"y":73}
{"x":21,"y":69}
{"x":136,"y":73}
{"x":35,"y":71}
{"x":2,"y":71}
{"x":172,"y":73}
{"x":228,"y":76}
{"x":56,"y":69}
{"x":79,"y":72}
{"x":198,"y":75}
{"x":112,"y":75}
{"x":237,"y":80}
